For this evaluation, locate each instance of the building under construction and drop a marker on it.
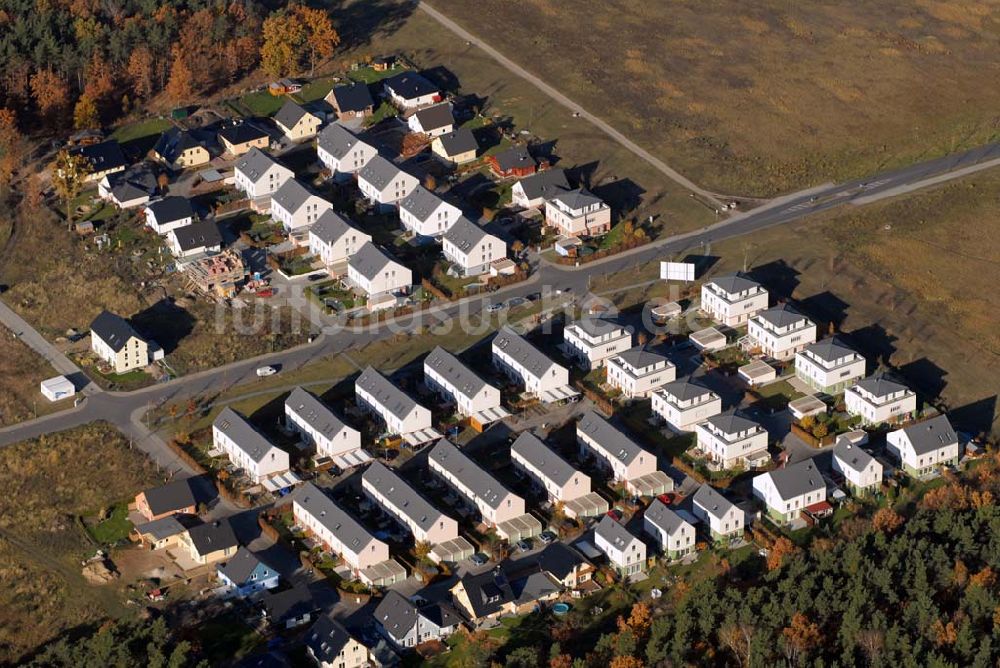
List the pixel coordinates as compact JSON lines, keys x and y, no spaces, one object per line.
{"x":219,"y":275}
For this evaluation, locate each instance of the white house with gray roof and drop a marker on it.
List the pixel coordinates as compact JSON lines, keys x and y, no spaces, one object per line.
{"x":373,"y":272}
{"x":330,"y":645}
{"x":116,"y":342}
{"x":526,"y":364}
{"x":334,"y":240}
{"x":732,"y":300}
{"x":336,"y":529}
{"x":780,"y":332}
{"x":296,"y":123}
{"x":788,"y":491}
{"x":474,"y":397}
{"x":533,"y":191}
{"x":685,"y":403}
{"x":593,"y":340}
{"x":627,"y":553}
{"x":494,"y":502}
{"x":398,"y":498}
{"x":560,"y":480}
{"x":626,"y":459}
{"x":383,"y":183}
{"x":578,"y":213}
{"x":425,"y":214}
{"x":724,"y":518}
{"x":829,"y":366}
{"x":320,"y":428}
{"x":879,"y":399}
{"x":638,"y":372}
{"x":342,"y":152}
{"x":730,"y":439}
{"x":672,"y":533}
{"x":432,"y":121}
{"x":259,"y":175}
{"x":862,"y":472}
{"x":405,"y":625}
{"x":925,"y":447}
{"x":169,"y":213}
{"x":246,"y":447}
{"x":470,"y":248}
{"x":396,"y":409}
{"x":296,"y":207}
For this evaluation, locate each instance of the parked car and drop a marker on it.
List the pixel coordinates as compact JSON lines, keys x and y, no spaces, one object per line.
{"x":534,"y":296}
{"x":493,"y":308}
{"x":524,"y":545}
{"x":479,"y":559}
{"x":546,"y":537}
{"x":264,"y":371}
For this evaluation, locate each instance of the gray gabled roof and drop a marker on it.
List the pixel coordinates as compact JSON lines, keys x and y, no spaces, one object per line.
{"x":102,"y":157}
{"x":464,"y":379}
{"x":663,"y":517}
{"x":543,"y":458}
{"x":198,"y":235}
{"x":459,"y":141}
{"x":314,"y":412}
{"x":797,"y":479}
{"x":577,"y":199}
{"x":394,"y":400}
{"x":421,"y":203}
{"x":255,"y":164}
{"x":402,"y":496}
{"x":595,"y":327}
{"x":641,"y":357}
{"x":782,"y":315}
{"x":830,"y":350}
{"x":547,"y":184}
{"x":614,"y":532}
{"x":337,"y":140}
{"x":352,"y":97}
{"x":465,"y":234}
{"x":137,"y":181}
{"x":241,"y":132}
{"x":326,"y":639}
{"x":113,"y":329}
{"x":852,"y":455}
{"x":212,"y":536}
{"x":170,"y":497}
{"x":396,"y":614}
{"x":685,"y":389}
{"x":525,"y":353}
{"x":482,"y":484}
{"x":290,"y":114}
{"x":930,"y":435}
{"x":712,"y":501}
{"x":369,"y":261}
{"x":331,"y":226}
{"x":513,"y":157}
{"x":174,"y":141}
{"x":170,"y":209}
{"x":410,"y":85}
{"x":379,"y":172}
{"x":243,"y":434}
{"x":732,"y":421}
{"x":291,"y":196}
{"x":341,"y":523}
{"x":881,"y":385}
{"x":734,"y":283}
{"x":165,"y":527}
{"x":436,"y":116}
{"x":241,"y":566}
{"x":609,"y":437}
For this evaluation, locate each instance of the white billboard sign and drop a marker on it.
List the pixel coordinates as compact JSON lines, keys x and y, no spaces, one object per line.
{"x":677,"y":271}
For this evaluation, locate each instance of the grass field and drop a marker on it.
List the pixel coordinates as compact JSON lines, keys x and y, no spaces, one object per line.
{"x":761,"y":98}
{"x":48,"y":482}
{"x":141,"y":129}
{"x":912,"y":281}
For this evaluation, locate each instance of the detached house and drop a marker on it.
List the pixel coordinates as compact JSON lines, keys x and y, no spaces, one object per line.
{"x":405,"y":625}
{"x":195,"y":239}
{"x":330,"y":645}
{"x":176,"y":497}
{"x":397,"y":410}
{"x":321,"y":429}
{"x":296,"y":123}
{"x":626,"y":552}
{"x":638,"y":372}
{"x":244,"y":574}
{"x":336,"y":529}
{"x":578,"y":213}
{"x":351,"y":101}
{"x":510,"y":588}
{"x":494,"y":502}
{"x":433,"y":121}
{"x":470,"y":249}
{"x":296,"y":207}
{"x":473,"y":397}
{"x":829,"y":366}
{"x":376,"y":274}
{"x":130,"y":188}
{"x":730,"y":439}
{"x":534,"y":191}
{"x":383,"y":183}
{"x":924,"y":447}
{"x":591,"y":341}
{"x":684,"y":403}
{"x":246,"y":447}
{"x":397,"y":498}
{"x":259,"y":175}
{"x":879,"y":399}
{"x":724,"y":519}
{"x":101,"y":159}
{"x":113,"y":340}
{"x":547,"y":469}
{"x":180,"y":149}
{"x":861,"y":471}
{"x":526,"y":364}
{"x":789,"y":491}
{"x":458,"y":146}
{"x":210,"y":542}
{"x":780,"y":332}
{"x":671,"y":532}
{"x":168,"y":214}
{"x":240,"y":138}
{"x":425,"y":214}
{"x":334,"y":240}
{"x":342,"y":152}
{"x":732,"y":300}
{"x":409,"y":90}
{"x":515,"y":161}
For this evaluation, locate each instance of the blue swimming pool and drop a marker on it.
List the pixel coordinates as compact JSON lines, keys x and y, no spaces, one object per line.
{"x":560,"y":608}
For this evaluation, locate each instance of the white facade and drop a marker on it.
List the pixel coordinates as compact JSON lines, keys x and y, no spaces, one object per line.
{"x":781,"y":332}
{"x":164,"y":226}
{"x":246,"y":448}
{"x":675,"y":536}
{"x":351,"y":155}
{"x":787,"y":492}
{"x":683,"y":405}
{"x":829,"y":367}
{"x":337,"y":248}
{"x":261,"y":184}
{"x":385,"y":184}
{"x":860,"y":470}
{"x":592,"y":341}
{"x":385,"y":275}
{"x":627,"y":553}
{"x":301,"y":209}
{"x":924,"y":447}
{"x":876,"y":401}
{"x":635,"y":378}
{"x":400,"y":413}
{"x":336,"y":529}
{"x":472,"y":250}
{"x":431,"y":217}
{"x":318,"y":426}
{"x":731,"y":441}
{"x":444,"y":373}
{"x":523,"y":362}
{"x":725,"y":519}
{"x":494,"y":502}
{"x":733,"y":300}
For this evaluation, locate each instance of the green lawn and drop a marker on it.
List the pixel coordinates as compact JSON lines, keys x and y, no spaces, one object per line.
{"x":314,"y":90}
{"x":114,"y":529}
{"x":262,"y":103}
{"x":384,"y":111}
{"x":369,"y":76}
{"x":141,"y":129}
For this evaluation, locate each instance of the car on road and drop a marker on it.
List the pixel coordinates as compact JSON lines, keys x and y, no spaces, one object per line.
{"x":316,"y":277}
{"x":493,"y":308}
{"x":546,"y":537}
{"x":524,"y":544}
{"x":265,"y":371}
{"x":534,"y":296}
{"x":479,"y":559}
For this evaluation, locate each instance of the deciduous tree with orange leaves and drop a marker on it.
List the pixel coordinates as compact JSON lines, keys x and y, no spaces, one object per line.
{"x":320,"y":36}
{"x":180,"y":87}
{"x":50,"y":92}
{"x":626,"y":662}
{"x":886,"y":520}
{"x":85,"y":114}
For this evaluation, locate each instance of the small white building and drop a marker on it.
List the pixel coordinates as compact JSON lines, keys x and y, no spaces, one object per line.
{"x":432,"y":121}
{"x":259,"y":175}
{"x":473,"y":396}
{"x":494,"y":502}
{"x":578,"y":213}
{"x":397,"y":498}
{"x":684,"y":403}
{"x":373,"y":272}
{"x":879,"y":399}
{"x":334,"y":240}
{"x":923,"y":448}
{"x":342,"y":152}
{"x":425,"y":214}
{"x":471,"y":249}
{"x":526,"y":364}
{"x":195,"y":239}
{"x":384,"y":184}
{"x":674,"y":535}
{"x":318,"y":426}
{"x":169,"y":213}
{"x":246,"y":447}
{"x":593,"y":340}
{"x":829,"y":366}
{"x":730,"y":440}
{"x":780,"y":332}
{"x":547,"y":469}
{"x":627,"y":553}
{"x":336,"y":529}
{"x":534,"y":191}
{"x":789,"y":491}
{"x":396,"y":409}
{"x":113,"y":340}
{"x":613,"y":449}
{"x":732,"y":300}
{"x":410,"y":90}
{"x":638,"y":372}
{"x":295,"y":207}
{"x":57,"y":388}
{"x":725,"y":519}
{"x":862,"y":472}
